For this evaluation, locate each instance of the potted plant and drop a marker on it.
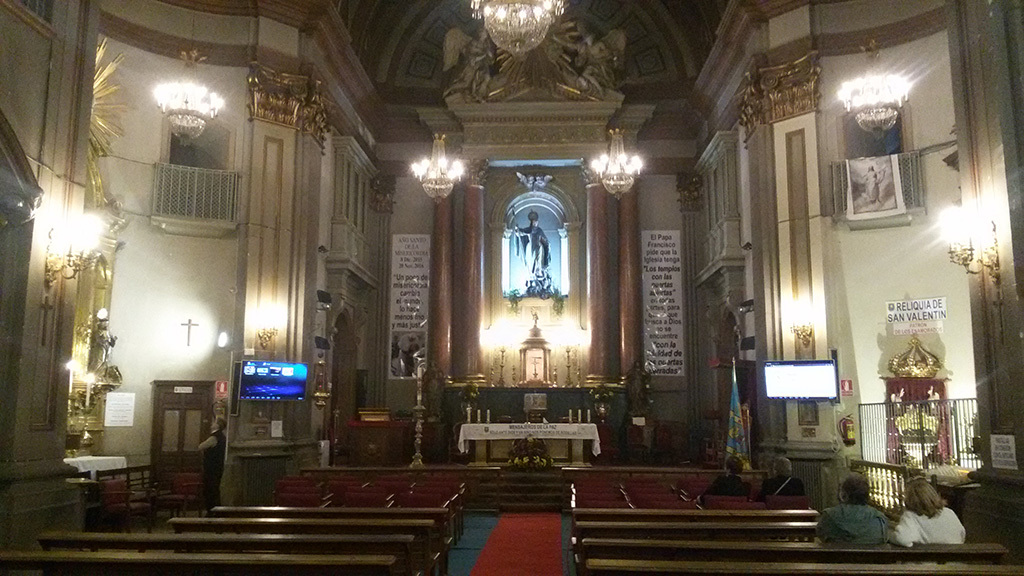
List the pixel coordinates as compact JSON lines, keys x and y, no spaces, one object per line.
{"x":529,"y":454}
{"x":602,"y":396}
{"x":514,"y":297}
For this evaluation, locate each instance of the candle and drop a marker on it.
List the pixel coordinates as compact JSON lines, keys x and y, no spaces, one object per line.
{"x":477,"y":414}
{"x":469,"y":414}
{"x":71,"y":382}
{"x":88,"y":392}
{"x":579,"y":415}
{"x":588,"y":415}
{"x":488,"y":415}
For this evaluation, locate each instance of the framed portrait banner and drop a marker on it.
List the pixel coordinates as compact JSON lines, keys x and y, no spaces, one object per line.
{"x":874,"y":189}
{"x":410,"y":283}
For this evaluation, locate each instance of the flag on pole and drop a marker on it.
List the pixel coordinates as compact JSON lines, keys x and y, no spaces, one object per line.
{"x":736,"y":443}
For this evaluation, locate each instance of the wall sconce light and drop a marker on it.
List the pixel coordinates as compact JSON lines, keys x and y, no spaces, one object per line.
{"x":973,"y":242}
{"x":269,"y":320}
{"x":73,"y":249}
{"x":802,"y":322}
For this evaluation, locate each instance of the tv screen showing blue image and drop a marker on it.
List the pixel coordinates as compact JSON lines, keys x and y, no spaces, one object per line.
{"x":259,"y":380}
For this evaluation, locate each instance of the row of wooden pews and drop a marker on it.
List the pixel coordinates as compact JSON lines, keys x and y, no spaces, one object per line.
{"x":327,"y":538}
{"x":682,"y":540}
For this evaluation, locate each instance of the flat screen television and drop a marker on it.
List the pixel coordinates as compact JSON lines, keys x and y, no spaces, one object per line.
{"x":260,"y":380}
{"x":801,"y":379}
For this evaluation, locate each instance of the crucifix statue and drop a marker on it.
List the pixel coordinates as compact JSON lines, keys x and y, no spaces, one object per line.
{"x":188,"y":334}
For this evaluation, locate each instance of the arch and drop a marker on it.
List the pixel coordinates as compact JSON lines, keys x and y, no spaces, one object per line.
{"x":20,"y":194}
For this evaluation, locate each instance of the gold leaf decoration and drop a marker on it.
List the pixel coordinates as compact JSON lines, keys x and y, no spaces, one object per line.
{"x":104,"y":127}
{"x":915,"y":362}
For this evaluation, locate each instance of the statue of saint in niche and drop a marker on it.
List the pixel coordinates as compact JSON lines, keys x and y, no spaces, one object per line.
{"x":533,"y":248}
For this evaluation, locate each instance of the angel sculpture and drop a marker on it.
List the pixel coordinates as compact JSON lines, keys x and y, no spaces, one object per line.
{"x":600,"y":63}
{"x":476,"y":55}
{"x":534,"y":182}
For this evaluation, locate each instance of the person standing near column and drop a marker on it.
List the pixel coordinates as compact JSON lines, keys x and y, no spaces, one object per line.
{"x":214,"y":449}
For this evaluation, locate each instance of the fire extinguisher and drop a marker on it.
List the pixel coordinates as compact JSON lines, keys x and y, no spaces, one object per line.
{"x":847,"y":431}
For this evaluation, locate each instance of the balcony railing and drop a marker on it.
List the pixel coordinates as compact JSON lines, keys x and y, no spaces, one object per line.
{"x":195,"y":193}
{"x":886,"y":483}
{"x":921,"y":435}
{"x":910,"y":178}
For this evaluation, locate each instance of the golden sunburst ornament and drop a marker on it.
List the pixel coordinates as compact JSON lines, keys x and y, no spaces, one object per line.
{"x":103,"y":123}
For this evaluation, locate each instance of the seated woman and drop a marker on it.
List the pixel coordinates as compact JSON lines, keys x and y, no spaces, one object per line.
{"x":853,"y":521}
{"x":783,"y":483}
{"x":926,"y":519}
{"x":730,"y":483}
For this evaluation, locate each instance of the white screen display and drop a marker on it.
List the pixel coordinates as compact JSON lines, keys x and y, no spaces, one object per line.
{"x":809,"y":379}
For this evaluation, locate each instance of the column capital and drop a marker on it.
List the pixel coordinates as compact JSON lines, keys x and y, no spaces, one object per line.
{"x":476,"y":172}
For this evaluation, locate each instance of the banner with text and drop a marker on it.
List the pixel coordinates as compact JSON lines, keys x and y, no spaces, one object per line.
{"x":663,"y":301}
{"x":922,"y":316}
{"x":410,"y":281}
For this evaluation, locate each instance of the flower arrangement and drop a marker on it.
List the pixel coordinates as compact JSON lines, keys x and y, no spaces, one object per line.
{"x":514,"y":297}
{"x":558,"y":302}
{"x":529,"y":454}
{"x":602,"y":393}
{"x":470,"y":391}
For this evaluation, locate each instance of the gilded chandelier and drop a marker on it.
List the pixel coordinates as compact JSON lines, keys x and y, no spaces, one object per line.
{"x":517,"y":26}
{"x":438,"y":174}
{"x":875,"y":100}
{"x":616,"y":169}
{"x":188,"y":105}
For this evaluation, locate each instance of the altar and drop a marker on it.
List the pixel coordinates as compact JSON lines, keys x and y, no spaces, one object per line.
{"x":491,"y":442}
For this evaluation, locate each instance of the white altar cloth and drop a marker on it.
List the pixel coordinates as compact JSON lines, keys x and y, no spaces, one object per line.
{"x":469,"y":432}
{"x":92,"y":464}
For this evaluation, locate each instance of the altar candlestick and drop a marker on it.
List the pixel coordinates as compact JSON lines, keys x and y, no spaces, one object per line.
{"x":469,"y":414}
{"x":588,"y":415}
{"x":478,"y":415}
{"x":488,"y":415}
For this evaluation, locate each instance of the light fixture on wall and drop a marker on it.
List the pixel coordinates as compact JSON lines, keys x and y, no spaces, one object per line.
{"x":269,"y":321}
{"x":801,"y":322}
{"x":973,"y":242}
{"x":616,"y":169}
{"x":438,"y":174}
{"x":73,"y":249}
{"x":517,"y":26}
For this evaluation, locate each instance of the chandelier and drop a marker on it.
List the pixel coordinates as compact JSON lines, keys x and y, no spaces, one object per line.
{"x":517,"y":26}
{"x":438,"y":174}
{"x":187,"y":105}
{"x":875,"y":100}
{"x":616,"y":169}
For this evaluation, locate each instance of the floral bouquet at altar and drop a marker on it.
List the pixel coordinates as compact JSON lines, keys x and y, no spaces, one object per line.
{"x":529,"y":454}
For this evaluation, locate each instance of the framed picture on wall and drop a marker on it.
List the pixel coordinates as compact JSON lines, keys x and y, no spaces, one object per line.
{"x":807,"y":413}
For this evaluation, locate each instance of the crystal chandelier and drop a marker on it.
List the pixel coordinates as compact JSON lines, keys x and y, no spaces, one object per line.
{"x":517,"y":26}
{"x":438,"y":174}
{"x":188,"y":105}
{"x":616,"y":169}
{"x":875,"y":100}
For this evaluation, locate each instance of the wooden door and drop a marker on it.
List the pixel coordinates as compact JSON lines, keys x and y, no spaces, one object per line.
{"x":182,"y":418}
{"x":345,"y":378}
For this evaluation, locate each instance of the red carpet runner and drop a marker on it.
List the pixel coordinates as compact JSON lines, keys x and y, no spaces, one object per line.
{"x":523,"y":545}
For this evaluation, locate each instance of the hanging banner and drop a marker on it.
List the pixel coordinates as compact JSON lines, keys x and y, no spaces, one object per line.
{"x":923,"y":316}
{"x":663,"y":301}
{"x":410,"y":281}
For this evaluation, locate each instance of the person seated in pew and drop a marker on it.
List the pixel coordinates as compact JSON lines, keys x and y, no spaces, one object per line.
{"x":730,"y":483}
{"x":853,"y":521}
{"x":783,"y":483}
{"x":926,"y":519}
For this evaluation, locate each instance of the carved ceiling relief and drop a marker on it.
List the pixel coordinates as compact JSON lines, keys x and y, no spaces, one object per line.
{"x":775,"y":93}
{"x":292,"y":100}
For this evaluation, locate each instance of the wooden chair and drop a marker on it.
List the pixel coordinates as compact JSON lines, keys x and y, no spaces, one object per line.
{"x":185,"y":493}
{"x":118,"y":506}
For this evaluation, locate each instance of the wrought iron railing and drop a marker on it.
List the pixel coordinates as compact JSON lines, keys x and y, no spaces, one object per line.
{"x":41,"y":8}
{"x":921,"y":435}
{"x":885,"y":482}
{"x":200,"y":193}
{"x":910,"y":178}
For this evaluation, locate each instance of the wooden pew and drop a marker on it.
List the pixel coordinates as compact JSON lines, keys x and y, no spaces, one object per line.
{"x":669,"y":515}
{"x":398,"y":545}
{"x":743,"y":531}
{"x":74,"y":563}
{"x":606,"y":567}
{"x":428,"y":545}
{"x":721,"y":551}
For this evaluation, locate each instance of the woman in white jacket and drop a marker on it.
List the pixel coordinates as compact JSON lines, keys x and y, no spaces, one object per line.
{"x":926,"y":519}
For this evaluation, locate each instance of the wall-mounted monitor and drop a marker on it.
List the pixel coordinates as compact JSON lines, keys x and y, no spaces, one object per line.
{"x":260,"y":380}
{"x":801,"y":379}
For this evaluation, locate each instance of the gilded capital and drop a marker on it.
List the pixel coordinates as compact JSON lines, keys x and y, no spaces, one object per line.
{"x":774,"y":93}
{"x":476,"y":172}
{"x":292,"y":100}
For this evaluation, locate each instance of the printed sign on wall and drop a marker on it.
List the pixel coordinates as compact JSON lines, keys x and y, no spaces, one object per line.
{"x":663,"y":301}
{"x":410,"y":281}
{"x":923,"y":316}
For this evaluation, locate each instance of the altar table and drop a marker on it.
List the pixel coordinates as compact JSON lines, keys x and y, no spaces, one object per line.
{"x":492,"y":441}
{"x":92,"y":464}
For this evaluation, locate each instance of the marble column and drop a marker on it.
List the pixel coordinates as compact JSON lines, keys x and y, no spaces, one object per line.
{"x":466,"y":359}
{"x":631,"y":339}
{"x":603,"y":353}
{"x":439,"y":359}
